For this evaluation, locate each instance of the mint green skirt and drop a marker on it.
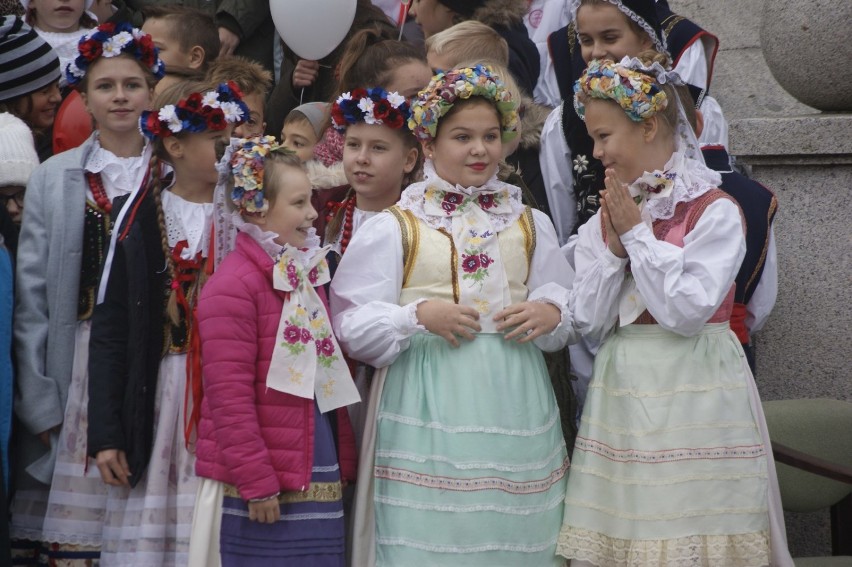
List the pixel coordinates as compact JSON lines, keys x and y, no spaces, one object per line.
{"x":470,"y":461}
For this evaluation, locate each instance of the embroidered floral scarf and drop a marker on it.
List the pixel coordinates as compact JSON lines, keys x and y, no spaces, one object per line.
{"x":306,"y":360}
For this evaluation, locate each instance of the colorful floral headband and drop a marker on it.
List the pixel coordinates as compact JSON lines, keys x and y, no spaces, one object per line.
{"x":246,"y":163}
{"x":213,"y":110}
{"x":636,"y":89}
{"x":374,"y":106}
{"x":112,"y":40}
{"x":436,"y":100}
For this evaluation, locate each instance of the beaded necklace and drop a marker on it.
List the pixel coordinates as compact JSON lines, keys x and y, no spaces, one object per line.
{"x":349,"y":213}
{"x":96,"y":184}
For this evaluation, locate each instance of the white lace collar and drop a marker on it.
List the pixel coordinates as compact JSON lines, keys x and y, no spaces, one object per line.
{"x":682,"y":180}
{"x":412,"y":199}
{"x":120,"y":175}
{"x":188,"y":221}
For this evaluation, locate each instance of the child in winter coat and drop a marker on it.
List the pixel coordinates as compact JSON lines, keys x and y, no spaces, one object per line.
{"x":271,"y":466}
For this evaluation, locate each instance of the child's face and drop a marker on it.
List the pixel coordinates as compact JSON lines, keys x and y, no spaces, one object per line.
{"x":619,"y":142}
{"x":300,"y":137}
{"x":375,"y":161}
{"x":38,"y":109}
{"x":171,"y":52}
{"x":13,"y":196}
{"x":432,"y":16}
{"x":290,"y":214}
{"x":60,"y":16}
{"x":117,"y":93}
{"x":254,"y":125}
{"x":196,"y":153}
{"x":467,"y":150}
{"x":409,"y":79}
{"x":605,"y":33}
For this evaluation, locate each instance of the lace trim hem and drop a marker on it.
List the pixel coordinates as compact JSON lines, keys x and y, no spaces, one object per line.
{"x":736,"y":550}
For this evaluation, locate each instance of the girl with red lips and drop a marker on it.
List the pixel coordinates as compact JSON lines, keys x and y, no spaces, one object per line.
{"x":450,"y":294}
{"x":63,"y":243}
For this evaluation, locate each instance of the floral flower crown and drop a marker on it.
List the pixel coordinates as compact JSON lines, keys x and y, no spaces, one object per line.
{"x":213,"y":110}
{"x":112,"y":40}
{"x":634,"y":87}
{"x":247,"y":160}
{"x":374,"y":106}
{"x":445,"y":89}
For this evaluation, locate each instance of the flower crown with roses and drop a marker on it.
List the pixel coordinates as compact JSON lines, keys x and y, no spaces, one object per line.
{"x":247,"y":162}
{"x":213,"y":110}
{"x":112,"y":40}
{"x":446,"y":89}
{"x":373,"y":106}
{"x":635,"y":88}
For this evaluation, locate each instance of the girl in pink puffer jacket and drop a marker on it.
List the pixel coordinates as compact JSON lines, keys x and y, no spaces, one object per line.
{"x":271,"y":465}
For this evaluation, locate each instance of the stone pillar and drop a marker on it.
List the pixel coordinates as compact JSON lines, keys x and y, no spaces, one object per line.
{"x":803,"y":351}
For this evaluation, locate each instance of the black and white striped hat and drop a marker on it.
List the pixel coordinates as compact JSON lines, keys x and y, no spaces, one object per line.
{"x":27,"y":62}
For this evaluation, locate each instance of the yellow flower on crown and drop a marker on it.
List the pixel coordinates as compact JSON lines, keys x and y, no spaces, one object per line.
{"x":445,"y":89}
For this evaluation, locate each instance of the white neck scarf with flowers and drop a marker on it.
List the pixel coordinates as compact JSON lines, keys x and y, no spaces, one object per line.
{"x":473,"y":217}
{"x":682,"y":179}
{"x":658,"y":193}
{"x":306,"y":359}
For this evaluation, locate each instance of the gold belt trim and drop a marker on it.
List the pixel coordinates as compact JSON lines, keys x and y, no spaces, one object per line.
{"x":316,"y":492}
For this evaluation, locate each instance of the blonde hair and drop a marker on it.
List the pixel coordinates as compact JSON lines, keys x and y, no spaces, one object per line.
{"x":274,"y":161}
{"x":251,"y":77}
{"x":469,"y":41}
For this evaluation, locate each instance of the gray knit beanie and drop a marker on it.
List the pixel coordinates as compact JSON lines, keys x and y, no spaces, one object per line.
{"x":27,"y":62}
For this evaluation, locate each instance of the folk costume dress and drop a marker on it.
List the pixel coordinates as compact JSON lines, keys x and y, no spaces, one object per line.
{"x":672,"y":465}
{"x":463,"y":460}
{"x":150,"y":524}
{"x":73,"y":515}
{"x":273,"y":376}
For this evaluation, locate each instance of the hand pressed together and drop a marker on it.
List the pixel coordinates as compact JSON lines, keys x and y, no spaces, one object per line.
{"x":530,"y":319}
{"x":448,"y":320}
{"x":619,"y":211}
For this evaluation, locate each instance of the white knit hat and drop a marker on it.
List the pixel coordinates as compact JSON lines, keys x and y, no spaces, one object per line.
{"x":18,"y":156}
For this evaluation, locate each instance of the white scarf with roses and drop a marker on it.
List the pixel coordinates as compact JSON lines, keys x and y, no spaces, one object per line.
{"x":306,"y":359}
{"x":473,"y":217}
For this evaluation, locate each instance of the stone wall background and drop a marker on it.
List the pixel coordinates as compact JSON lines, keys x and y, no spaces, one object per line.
{"x":805,"y":156}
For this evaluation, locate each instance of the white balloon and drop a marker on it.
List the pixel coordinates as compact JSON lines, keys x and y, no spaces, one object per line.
{"x":312,"y":28}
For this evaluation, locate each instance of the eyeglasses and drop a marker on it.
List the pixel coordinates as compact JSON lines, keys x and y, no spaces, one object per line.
{"x":18,"y":199}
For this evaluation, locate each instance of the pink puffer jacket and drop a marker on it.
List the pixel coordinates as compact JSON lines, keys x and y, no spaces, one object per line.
{"x":257,"y":439}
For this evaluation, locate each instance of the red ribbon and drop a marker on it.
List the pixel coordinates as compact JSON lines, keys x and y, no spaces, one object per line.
{"x":738,"y":326}
{"x":186,"y":271}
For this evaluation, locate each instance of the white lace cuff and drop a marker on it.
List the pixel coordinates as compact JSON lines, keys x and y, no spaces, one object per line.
{"x":405,"y":320}
{"x":557,"y":296}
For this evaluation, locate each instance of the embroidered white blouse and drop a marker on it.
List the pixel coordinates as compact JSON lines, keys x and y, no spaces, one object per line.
{"x":366,"y":288}
{"x":682,"y":287}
